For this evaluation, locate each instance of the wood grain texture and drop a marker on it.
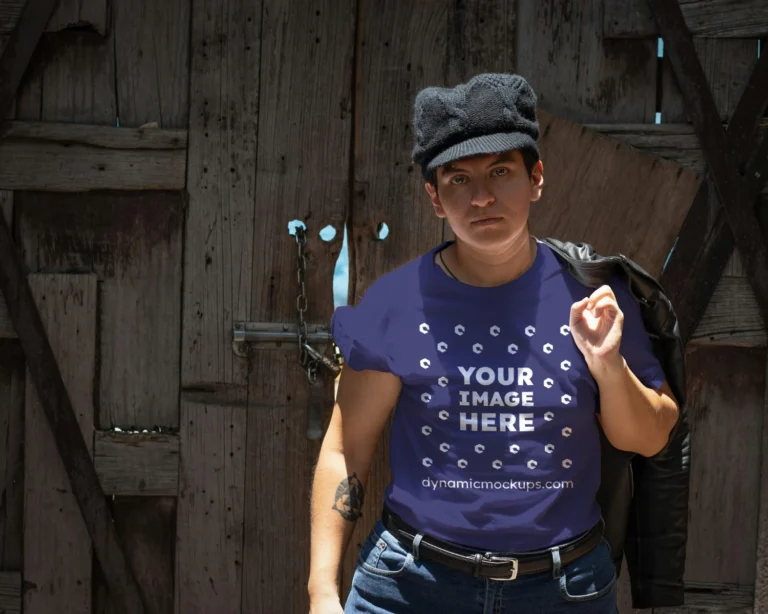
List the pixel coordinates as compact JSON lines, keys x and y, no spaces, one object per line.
{"x":706,"y":18}
{"x":92,"y":14}
{"x":99,"y":137}
{"x":19,"y":47}
{"x":303,"y":163}
{"x":57,"y":547}
{"x":147,"y":527}
{"x":727,"y":65}
{"x":209,"y":542}
{"x":714,"y":598}
{"x":138,"y":464}
{"x":10,"y":592}
{"x":609,"y":195}
{"x":221,"y":169}
{"x":69,"y":13}
{"x":761,"y":558}
{"x":401,"y":49}
{"x":726,"y":390}
{"x":12,"y":368}
{"x":575,"y":72}
{"x":677,"y":142}
{"x":77,"y":80}
{"x":54,"y":167}
{"x":133,"y":243}
{"x":732,"y":316}
{"x":152,"y":62}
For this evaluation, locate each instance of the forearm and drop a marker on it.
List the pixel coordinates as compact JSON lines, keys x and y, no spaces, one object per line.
{"x":634,"y":418}
{"x":337,"y":495}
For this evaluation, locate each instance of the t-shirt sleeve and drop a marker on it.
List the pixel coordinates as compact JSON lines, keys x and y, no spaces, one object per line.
{"x":360,"y":332}
{"x":636,"y":345}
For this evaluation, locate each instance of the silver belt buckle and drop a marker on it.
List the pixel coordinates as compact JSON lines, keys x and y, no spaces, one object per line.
{"x":513,"y":572}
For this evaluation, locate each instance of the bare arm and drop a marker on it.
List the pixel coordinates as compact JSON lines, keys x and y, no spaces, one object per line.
{"x":365,"y":399}
{"x":635,"y":418}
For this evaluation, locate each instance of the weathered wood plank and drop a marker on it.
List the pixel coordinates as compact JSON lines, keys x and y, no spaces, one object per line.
{"x":709,"y":18}
{"x":727,"y":64}
{"x":310,"y":183}
{"x":576,"y":73}
{"x":70,"y":157}
{"x":133,"y":243}
{"x":18,"y":49}
{"x":57,"y":547}
{"x":736,"y":192}
{"x":54,"y":167}
{"x":209,"y":543}
{"x":223,"y":127}
{"x":10,"y":592}
{"x":76,"y":80}
{"x":604,"y":188}
{"x":147,"y":527}
{"x":677,"y":142}
{"x":92,"y":14}
{"x":68,"y":13}
{"x":390,"y":77}
{"x":11,"y":454}
{"x":139,"y":464}
{"x":152,"y":38}
{"x":98,"y":137}
{"x":726,"y":389}
{"x":714,"y":598}
{"x":732,"y":316}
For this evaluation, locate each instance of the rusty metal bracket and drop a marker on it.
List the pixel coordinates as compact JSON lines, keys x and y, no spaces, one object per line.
{"x":248,"y":336}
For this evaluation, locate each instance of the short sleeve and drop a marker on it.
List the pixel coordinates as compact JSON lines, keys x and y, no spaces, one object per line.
{"x":636,"y":345}
{"x":360,"y":332}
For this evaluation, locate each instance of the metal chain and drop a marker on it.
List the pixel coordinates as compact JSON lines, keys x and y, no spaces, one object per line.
{"x":305,"y":359}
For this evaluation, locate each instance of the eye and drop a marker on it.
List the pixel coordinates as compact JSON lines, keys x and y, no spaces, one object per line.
{"x":458,"y":180}
{"x":501,"y":171}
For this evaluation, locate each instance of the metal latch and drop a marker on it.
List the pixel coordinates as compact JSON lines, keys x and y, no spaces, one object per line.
{"x":274,"y":335}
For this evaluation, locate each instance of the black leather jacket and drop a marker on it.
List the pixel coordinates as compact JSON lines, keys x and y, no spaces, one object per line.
{"x":644,"y":501}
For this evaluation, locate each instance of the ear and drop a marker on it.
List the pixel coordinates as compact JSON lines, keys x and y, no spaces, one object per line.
{"x":435,"y":198}
{"x":537,"y":181}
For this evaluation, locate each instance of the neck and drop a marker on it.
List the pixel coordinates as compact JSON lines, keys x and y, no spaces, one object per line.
{"x":486,"y":269}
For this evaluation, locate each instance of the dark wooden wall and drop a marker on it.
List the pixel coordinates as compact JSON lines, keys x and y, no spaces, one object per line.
{"x":160,"y":150}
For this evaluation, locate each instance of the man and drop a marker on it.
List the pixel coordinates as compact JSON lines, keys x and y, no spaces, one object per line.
{"x":503,"y":369}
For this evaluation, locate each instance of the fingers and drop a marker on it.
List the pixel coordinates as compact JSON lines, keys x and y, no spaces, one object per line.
{"x":600,"y":293}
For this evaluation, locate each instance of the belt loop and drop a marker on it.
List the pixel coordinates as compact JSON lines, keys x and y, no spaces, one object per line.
{"x":415,"y":545}
{"x":476,"y":570}
{"x":556,"y":564}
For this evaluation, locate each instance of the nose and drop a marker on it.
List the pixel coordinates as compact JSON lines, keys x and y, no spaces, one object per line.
{"x":482,"y":196}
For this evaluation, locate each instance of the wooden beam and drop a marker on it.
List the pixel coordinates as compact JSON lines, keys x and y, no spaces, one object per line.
{"x":54,"y":398}
{"x":68,"y":14}
{"x":676,"y":142}
{"x":19,"y":48}
{"x":10,"y":592}
{"x":137,"y":464}
{"x":707,"y":18}
{"x":73,"y":157}
{"x":736,"y":194}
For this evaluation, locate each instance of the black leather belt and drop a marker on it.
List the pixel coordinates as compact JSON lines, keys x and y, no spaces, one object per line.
{"x":486,"y":564}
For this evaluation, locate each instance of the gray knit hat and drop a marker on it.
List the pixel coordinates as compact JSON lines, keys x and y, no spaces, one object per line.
{"x":489,"y":114}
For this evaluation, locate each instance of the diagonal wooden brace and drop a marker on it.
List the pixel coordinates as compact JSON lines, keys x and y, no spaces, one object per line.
{"x":736,"y":192}
{"x":41,"y":362}
{"x":705,"y":242}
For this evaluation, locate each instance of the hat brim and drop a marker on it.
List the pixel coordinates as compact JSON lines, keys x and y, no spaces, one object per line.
{"x":482,"y":145}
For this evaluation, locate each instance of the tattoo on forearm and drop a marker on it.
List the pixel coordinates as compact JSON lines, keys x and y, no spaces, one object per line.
{"x":349,"y":498}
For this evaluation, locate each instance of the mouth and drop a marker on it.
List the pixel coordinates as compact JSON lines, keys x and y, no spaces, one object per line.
{"x":486,"y":221}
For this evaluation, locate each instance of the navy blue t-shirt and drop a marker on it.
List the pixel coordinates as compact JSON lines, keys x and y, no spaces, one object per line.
{"x":494,"y":442}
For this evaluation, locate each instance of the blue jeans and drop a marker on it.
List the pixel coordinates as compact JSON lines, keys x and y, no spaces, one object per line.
{"x":389,"y":580}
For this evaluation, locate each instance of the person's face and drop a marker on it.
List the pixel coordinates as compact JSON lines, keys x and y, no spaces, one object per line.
{"x":486,"y":199}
